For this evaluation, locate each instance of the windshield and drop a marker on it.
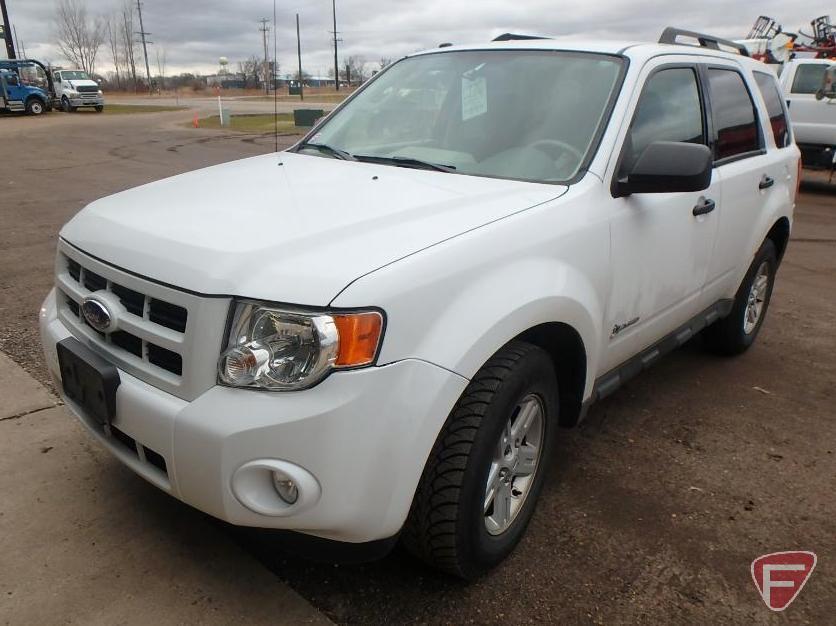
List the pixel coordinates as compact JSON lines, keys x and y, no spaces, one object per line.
{"x":74,"y":76}
{"x":522,"y":114}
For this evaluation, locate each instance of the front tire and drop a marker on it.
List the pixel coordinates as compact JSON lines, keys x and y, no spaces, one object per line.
{"x":99,"y":108}
{"x":481,"y":482}
{"x":35,"y":106}
{"x":65,"y":104}
{"x":735,"y":333}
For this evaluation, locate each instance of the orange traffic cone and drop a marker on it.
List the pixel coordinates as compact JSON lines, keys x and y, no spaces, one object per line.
{"x":195,"y":123}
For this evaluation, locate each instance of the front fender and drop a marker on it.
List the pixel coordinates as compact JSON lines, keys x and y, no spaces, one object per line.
{"x":459,"y":302}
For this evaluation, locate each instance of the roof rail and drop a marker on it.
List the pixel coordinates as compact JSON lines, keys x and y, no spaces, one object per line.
{"x":513,"y":37}
{"x":671,"y":34}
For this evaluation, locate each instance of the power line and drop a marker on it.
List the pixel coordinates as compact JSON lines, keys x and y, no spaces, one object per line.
{"x":145,"y":43}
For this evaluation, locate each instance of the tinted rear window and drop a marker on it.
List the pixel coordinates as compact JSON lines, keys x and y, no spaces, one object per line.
{"x":775,"y":108}
{"x":735,"y":121}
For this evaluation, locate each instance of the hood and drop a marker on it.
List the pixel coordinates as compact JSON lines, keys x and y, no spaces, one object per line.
{"x":291,"y":228}
{"x":75,"y":84}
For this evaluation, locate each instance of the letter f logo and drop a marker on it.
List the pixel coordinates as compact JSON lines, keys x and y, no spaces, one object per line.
{"x":779,"y":576}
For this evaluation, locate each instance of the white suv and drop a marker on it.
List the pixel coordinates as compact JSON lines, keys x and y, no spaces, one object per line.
{"x":376,"y":334}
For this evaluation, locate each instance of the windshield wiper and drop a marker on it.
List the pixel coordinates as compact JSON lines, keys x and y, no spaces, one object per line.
{"x":405,"y":162}
{"x":322,"y":147}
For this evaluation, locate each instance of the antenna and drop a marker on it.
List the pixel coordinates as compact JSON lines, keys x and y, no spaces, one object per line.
{"x":275,"y":86}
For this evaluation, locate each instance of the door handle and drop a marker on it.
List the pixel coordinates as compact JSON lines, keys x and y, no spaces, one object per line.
{"x":705,"y":206}
{"x":766,"y":182}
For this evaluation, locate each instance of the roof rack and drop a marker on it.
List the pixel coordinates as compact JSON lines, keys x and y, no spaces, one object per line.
{"x":513,"y":37}
{"x":671,"y":34}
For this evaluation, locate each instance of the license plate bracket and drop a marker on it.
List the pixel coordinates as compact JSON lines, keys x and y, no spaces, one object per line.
{"x":88,"y":380}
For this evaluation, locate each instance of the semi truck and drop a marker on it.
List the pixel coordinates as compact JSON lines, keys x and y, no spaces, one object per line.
{"x":25,"y":87}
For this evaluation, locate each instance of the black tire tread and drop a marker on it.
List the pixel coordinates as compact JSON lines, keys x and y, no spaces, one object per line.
{"x":430,"y":529}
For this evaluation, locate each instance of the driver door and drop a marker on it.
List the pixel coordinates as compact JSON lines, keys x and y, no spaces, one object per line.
{"x":661,"y":243}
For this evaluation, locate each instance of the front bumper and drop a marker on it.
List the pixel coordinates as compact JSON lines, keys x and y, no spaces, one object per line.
{"x":363,"y":436}
{"x":86,"y":101}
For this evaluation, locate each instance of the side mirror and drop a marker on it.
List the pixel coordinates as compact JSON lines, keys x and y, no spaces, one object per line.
{"x":12,"y":79}
{"x":668,"y":167}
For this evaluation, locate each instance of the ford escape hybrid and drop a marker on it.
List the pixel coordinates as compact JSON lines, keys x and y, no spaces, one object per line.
{"x":375,"y":334}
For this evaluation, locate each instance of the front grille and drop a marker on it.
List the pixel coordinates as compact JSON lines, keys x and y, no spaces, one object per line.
{"x":87,"y":89}
{"x":164,"y":336}
{"x":140,"y":306}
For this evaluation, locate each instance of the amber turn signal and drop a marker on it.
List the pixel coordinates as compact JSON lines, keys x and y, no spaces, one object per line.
{"x":359,"y":337}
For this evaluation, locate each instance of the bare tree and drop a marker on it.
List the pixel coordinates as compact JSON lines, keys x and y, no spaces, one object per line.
{"x":354,"y":70}
{"x":113,"y":44}
{"x":79,"y":35}
{"x":384,"y":63}
{"x":161,"y":63}
{"x":250,"y":69}
{"x":126,"y":39}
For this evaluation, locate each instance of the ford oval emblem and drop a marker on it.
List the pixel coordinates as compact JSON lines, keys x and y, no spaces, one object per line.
{"x":97,"y":314}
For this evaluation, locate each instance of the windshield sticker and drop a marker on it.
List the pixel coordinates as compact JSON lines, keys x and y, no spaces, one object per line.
{"x":474,"y":97}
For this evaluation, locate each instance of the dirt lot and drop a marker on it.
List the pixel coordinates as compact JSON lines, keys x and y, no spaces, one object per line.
{"x":656,"y":505}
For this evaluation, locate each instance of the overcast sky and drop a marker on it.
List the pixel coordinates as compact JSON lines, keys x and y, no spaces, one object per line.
{"x":195,"y":33}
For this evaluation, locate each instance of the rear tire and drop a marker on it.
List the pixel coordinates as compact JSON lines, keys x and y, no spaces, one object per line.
{"x":481,"y":482}
{"x":736,"y":332}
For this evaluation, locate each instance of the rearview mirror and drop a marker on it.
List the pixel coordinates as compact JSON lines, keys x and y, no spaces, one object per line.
{"x":668,"y":167}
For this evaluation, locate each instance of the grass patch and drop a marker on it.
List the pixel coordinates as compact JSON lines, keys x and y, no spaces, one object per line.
{"x":259,"y":123}
{"x":123,"y":109}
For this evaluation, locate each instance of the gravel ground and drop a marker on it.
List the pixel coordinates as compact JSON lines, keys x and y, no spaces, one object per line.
{"x":656,"y":504}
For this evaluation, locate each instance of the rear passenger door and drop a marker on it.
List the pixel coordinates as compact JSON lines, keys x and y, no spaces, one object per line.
{"x":746,"y":170}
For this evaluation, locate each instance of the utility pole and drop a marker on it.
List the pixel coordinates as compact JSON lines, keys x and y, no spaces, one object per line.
{"x":336,"y":64}
{"x":143,"y":34}
{"x":19,"y":43}
{"x":299,"y":54}
{"x":264,"y":30}
{"x":7,"y":32}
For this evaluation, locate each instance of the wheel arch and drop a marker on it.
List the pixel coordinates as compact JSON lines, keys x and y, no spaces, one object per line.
{"x":566,"y":349}
{"x":780,"y":236}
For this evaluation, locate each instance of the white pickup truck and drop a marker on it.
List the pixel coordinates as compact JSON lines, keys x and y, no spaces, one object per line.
{"x":75,"y":88}
{"x":812,"y":110}
{"x":375,"y":334}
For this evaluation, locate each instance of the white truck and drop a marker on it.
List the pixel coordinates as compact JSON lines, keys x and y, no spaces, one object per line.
{"x":375,"y":334}
{"x":75,"y":88}
{"x":808,"y":88}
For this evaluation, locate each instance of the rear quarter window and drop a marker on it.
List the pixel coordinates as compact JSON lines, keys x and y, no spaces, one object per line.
{"x":768,"y":87}
{"x":734,"y":114}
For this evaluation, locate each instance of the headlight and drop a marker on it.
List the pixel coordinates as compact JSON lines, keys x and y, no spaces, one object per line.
{"x":283,"y":349}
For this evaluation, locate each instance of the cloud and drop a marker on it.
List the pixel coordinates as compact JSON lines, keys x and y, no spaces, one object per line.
{"x":195,"y":33}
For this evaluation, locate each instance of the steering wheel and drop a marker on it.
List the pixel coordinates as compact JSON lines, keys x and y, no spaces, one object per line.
{"x":544,"y":145}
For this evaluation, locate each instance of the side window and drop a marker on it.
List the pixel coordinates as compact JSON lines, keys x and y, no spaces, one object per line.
{"x":669,"y":110}
{"x":808,"y":77}
{"x":733,"y":112}
{"x":774,"y":107}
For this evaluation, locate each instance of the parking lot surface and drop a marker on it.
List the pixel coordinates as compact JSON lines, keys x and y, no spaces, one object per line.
{"x":653,"y":511}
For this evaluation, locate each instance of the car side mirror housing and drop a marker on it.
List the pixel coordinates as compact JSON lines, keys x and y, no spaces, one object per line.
{"x":668,"y":167}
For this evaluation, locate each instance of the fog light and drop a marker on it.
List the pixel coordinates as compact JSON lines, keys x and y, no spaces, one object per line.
{"x":286,"y":488}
